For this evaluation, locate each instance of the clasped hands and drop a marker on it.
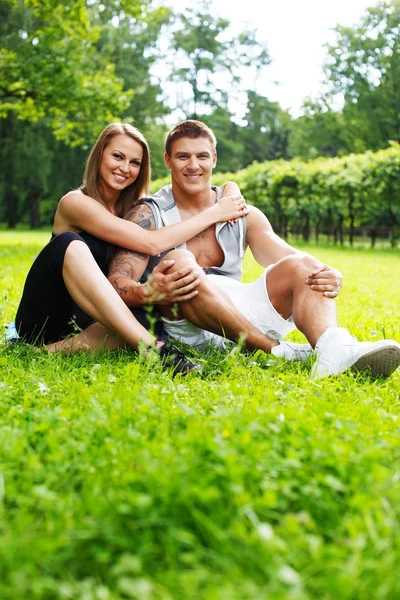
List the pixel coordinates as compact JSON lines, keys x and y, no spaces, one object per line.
{"x":167,"y":288}
{"x":325,"y":279}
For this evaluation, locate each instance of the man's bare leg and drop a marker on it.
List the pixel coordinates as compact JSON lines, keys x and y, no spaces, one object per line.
{"x":312,"y":312}
{"x":213,"y":310}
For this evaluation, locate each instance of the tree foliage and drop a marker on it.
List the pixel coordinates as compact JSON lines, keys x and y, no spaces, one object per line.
{"x":266,"y":135}
{"x":211,"y":61}
{"x":51,"y":71}
{"x":68,"y":68}
{"x":326,"y":194}
{"x":364,"y":66}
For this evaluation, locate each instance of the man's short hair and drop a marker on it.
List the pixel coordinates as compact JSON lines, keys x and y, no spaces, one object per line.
{"x":191,"y":129}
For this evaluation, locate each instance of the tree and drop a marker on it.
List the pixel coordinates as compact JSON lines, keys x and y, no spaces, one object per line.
{"x":50,"y":68}
{"x":321,"y":131}
{"x":132,"y":44}
{"x":36,"y":170}
{"x":364,"y":66}
{"x":210,"y":60}
{"x":59,"y":77}
{"x":266,"y":136}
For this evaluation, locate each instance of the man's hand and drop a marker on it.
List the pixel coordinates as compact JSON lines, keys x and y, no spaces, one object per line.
{"x":164,"y":288}
{"x":325,"y":279}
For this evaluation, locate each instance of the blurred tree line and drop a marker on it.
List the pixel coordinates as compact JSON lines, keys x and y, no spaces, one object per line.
{"x":68,"y":68}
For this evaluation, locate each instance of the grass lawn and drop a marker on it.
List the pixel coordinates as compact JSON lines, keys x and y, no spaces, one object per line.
{"x":249,"y":482}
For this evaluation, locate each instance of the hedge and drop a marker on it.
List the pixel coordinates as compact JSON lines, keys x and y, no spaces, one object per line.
{"x":326,"y":195}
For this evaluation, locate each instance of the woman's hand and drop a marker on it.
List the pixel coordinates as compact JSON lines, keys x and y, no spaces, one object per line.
{"x":230,"y":188}
{"x":231,"y":207}
{"x":325,"y":279}
{"x":164,"y":288}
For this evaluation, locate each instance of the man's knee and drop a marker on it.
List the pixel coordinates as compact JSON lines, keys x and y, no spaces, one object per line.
{"x":294,"y":266}
{"x":283,"y":278}
{"x":182,"y":258}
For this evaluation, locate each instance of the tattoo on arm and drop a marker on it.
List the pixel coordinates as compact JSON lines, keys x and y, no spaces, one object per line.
{"x":142,"y":215}
{"x":128,"y":264}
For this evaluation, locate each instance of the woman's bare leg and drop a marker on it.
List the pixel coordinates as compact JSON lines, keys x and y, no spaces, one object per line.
{"x":95,"y":337}
{"x":94,"y":294}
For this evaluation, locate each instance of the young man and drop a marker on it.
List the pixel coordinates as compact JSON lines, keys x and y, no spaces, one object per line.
{"x":295,"y":290}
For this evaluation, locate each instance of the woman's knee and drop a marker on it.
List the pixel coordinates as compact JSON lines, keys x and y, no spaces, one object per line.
{"x":57,"y":250}
{"x":62,"y":240}
{"x":76,"y":250}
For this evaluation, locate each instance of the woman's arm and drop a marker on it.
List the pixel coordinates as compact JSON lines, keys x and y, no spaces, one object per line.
{"x":78,"y":212}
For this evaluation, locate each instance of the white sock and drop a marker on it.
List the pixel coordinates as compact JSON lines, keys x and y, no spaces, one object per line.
{"x":328,"y":334}
{"x":278,"y":350}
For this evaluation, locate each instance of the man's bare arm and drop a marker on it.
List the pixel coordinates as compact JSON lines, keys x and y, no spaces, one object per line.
{"x":267,"y":248}
{"x":127,"y":267}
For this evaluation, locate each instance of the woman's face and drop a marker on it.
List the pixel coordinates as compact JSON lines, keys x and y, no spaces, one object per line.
{"x":120,"y":164}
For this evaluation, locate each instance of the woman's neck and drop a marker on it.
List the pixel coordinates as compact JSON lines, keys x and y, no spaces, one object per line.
{"x":109,"y":199}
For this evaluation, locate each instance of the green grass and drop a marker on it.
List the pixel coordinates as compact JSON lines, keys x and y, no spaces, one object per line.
{"x":250,"y":482}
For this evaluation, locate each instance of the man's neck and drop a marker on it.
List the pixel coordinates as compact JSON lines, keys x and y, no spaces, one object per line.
{"x":194,"y":202}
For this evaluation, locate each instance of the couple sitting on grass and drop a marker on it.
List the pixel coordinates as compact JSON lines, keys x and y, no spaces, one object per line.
{"x":115,"y":250}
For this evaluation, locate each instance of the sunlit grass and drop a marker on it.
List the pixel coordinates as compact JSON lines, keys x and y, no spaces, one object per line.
{"x":250,"y":482}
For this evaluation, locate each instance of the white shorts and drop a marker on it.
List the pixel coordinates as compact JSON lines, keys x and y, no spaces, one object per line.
{"x":251,"y":299}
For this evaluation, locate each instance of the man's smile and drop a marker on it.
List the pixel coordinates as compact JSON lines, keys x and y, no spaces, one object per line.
{"x":192,"y":177}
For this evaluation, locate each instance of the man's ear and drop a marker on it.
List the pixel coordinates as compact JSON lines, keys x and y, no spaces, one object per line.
{"x":167,"y":160}
{"x":214,"y":159}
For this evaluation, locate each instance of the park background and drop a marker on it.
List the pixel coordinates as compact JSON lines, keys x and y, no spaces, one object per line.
{"x":69,"y":68}
{"x":250,"y":482}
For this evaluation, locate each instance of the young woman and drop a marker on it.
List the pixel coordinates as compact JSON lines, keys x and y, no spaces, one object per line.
{"x":67,"y":284}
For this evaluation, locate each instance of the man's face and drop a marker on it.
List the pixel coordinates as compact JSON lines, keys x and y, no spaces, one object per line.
{"x":191,"y":164}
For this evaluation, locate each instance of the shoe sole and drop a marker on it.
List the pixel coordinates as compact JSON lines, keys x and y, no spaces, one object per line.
{"x":381,"y":362}
{"x":186,"y":370}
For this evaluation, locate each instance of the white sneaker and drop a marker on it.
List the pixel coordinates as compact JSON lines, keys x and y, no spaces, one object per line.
{"x":292,"y":351}
{"x":337,"y":351}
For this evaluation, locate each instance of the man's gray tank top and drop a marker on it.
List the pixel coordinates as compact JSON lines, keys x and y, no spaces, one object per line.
{"x":230,"y":236}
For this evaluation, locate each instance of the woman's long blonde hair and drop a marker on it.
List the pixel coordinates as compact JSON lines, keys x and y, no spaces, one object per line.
{"x":91,"y":179}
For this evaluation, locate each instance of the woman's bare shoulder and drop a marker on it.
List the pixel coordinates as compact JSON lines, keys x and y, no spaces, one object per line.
{"x":73,"y":195}
{"x":73,"y":208}
{"x":75,"y":198}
